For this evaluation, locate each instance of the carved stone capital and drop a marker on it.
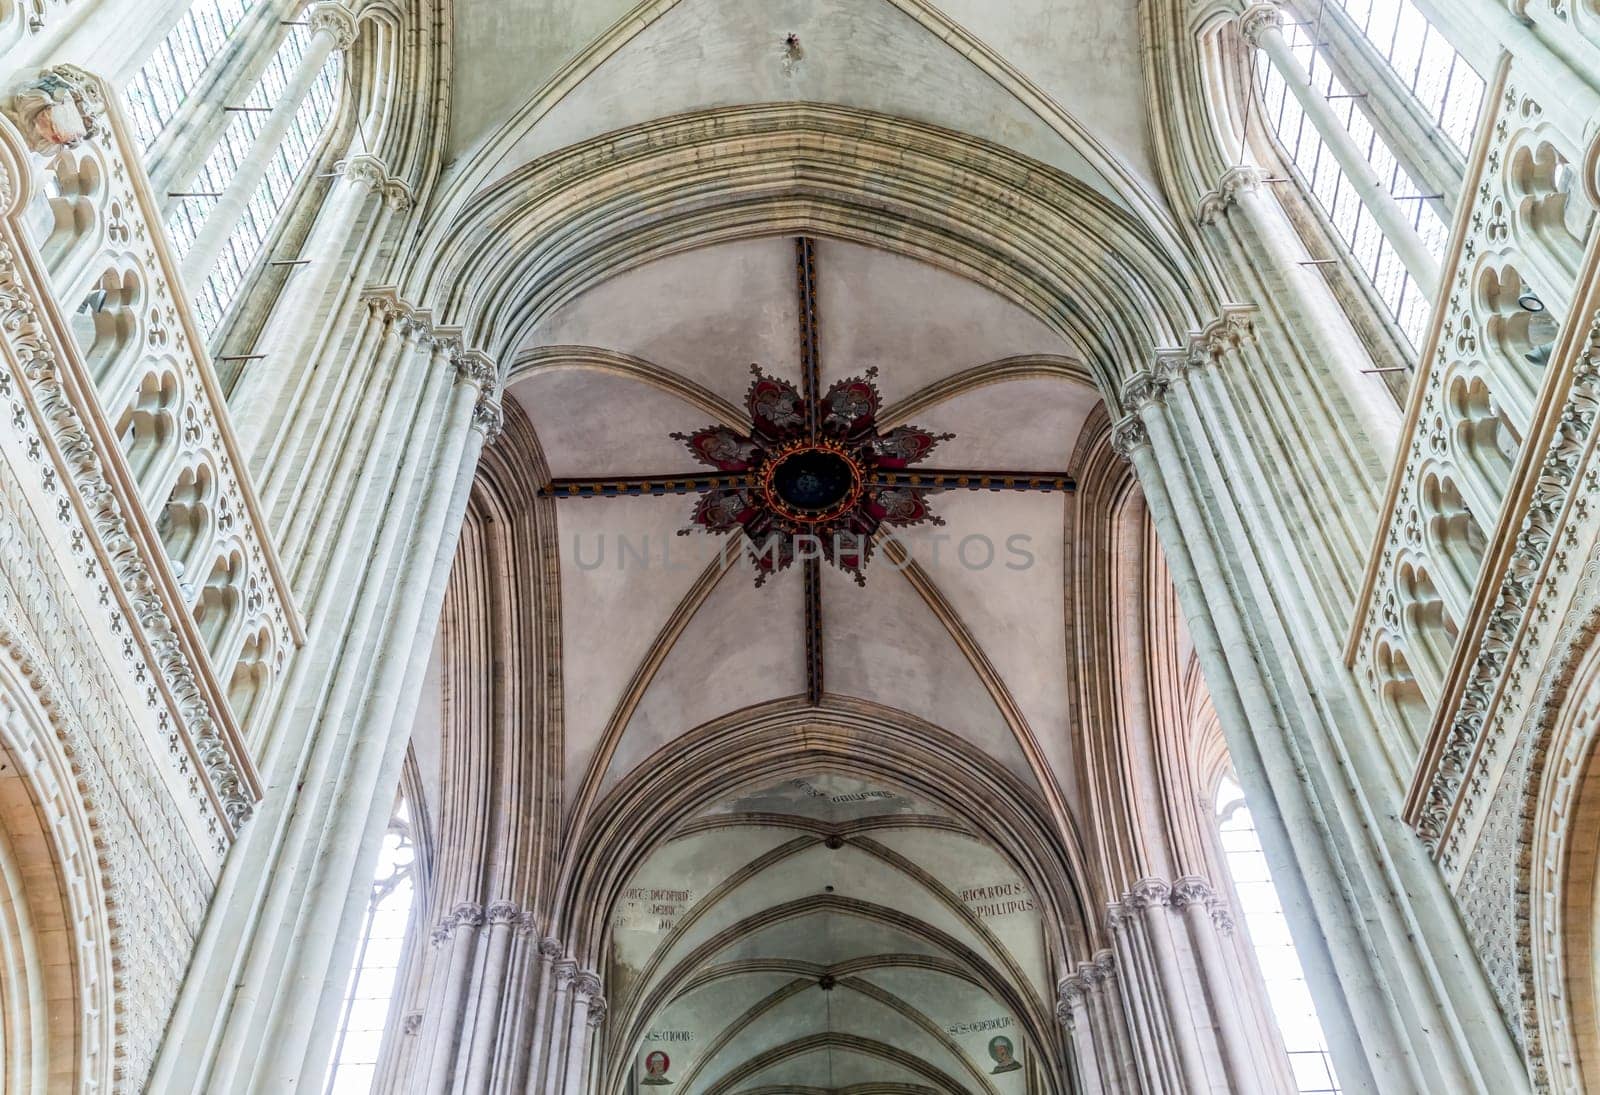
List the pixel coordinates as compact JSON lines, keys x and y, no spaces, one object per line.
{"x":465,"y":915}
{"x":503,"y":912}
{"x":597,"y":1011}
{"x":365,"y":170}
{"x":475,"y":367}
{"x":1148,"y":893}
{"x":335,"y":19}
{"x":397,"y":196}
{"x":588,"y":983}
{"x":550,"y":948}
{"x":1127,"y":435}
{"x":1142,"y":389}
{"x":488,"y":417}
{"x":60,"y":108}
{"x":566,"y":972}
{"x":1099,"y":971}
{"x":1240,"y":179}
{"x":1257,"y":19}
{"x":1192,"y":890}
{"x":1118,"y":916}
{"x":1066,"y":1016}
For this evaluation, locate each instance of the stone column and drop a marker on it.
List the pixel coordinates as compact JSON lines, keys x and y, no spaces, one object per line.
{"x":550,"y":950}
{"x":1073,"y":1013}
{"x":1196,"y":898}
{"x":588,"y":1012}
{"x":456,"y":940}
{"x":332,"y":27}
{"x":505,"y":921}
{"x":269,"y":389}
{"x":547,"y":1080}
{"x":1154,"y":1044}
{"x":1260,"y":24}
{"x":1148,"y":899}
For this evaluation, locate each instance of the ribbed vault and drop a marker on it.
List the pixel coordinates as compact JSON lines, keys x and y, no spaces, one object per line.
{"x":827,"y":931}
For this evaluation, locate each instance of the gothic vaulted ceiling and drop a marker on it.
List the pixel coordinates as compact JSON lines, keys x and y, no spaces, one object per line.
{"x":828,"y":932}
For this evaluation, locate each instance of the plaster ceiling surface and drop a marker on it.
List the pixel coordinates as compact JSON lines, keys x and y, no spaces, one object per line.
{"x":1076,"y":64}
{"x":651,"y":649}
{"x":825,"y":932}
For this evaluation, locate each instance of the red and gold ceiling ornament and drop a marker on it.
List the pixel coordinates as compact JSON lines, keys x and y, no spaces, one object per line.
{"x":811,"y":479}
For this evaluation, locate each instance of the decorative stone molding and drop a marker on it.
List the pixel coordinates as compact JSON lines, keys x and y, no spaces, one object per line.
{"x":397,"y":196}
{"x":1461,"y":707}
{"x":588,"y":983}
{"x":597,"y":1012}
{"x":1148,"y":893}
{"x":366,"y":170}
{"x":503,"y":912}
{"x":1257,"y":19}
{"x":566,"y":972}
{"x":550,"y":948}
{"x":336,"y":19}
{"x":170,"y":642}
{"x":61,"y":108}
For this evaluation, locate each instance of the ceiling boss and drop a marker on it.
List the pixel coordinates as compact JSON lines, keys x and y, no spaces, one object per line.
{"x":812,"y":471}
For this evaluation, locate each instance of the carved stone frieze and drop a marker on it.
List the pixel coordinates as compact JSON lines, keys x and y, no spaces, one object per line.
{"x":30,"y":342}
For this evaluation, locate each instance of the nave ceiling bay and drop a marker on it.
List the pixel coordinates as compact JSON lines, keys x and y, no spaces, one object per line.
{"x":1059,"y":82}
{"x":825,"y":932}
{"x":963,"y":625}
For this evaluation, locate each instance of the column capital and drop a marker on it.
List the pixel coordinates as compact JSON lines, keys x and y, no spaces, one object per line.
{"x":1127,"y":435}
{"x":475,"y":367}
{"x":503,"y":912}
{"x":588,"y":983}
{"x":397,"y":196}
{"x":597,"y":1011}
{"x":1142,"y":389}
{"x":464,"y":915}
{"x":566,"y":972}
{"x":365,"y":169}
{"x":489,"y":417}
{"x":1257,"y":19}
{"x":1192,"y":890}
{"x":550,"y":948}
{"x":1148,"y":893}
{"x":336,"y":19}
{"x":1237,"y":180}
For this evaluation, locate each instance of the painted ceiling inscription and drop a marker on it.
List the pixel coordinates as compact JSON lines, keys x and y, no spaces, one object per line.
{"x":997,"y":900}
{"x":647,"y":908}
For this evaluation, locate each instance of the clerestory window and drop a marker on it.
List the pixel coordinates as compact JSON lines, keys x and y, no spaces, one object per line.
{"x":174,"y":70}
{"x":372,"y":982}
{"x":1268,"y":931}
